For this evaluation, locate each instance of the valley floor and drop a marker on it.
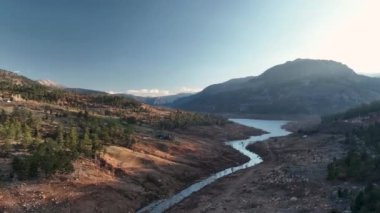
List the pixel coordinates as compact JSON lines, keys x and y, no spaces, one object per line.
{"x":292,"y":178}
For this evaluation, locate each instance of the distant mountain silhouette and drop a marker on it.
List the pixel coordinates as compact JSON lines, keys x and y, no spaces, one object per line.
{"x":158,"y":101}
{"x":302,"y":86}
{"x":52,"y":84}
{"x":11,"y":78}
{"x":85,"y":91}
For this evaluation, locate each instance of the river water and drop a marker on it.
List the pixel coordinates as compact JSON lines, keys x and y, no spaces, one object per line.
{"x":274,"y":129}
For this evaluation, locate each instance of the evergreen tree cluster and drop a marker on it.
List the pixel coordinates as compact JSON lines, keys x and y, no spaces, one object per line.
{"x":47,"y":158}
{"x":361,"y":164}
{"x":115,"y":101}
{"x":355,"y":166}
{"x":52,"y":149}
{"x":20,"y":126}
{"x":33,"y":91}
{"x":30,"y":90}
{"x":368,"y":200}
{"x":362,"y":110}
{"x":182,"y":120}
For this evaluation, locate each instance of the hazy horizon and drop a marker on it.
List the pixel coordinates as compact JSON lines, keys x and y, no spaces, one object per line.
{"x":167,"y":47}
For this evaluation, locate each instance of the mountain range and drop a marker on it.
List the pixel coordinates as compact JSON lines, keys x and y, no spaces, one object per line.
{"x":154,"y":101}
{"x":302,"y":86}
{"x":157,"y":101}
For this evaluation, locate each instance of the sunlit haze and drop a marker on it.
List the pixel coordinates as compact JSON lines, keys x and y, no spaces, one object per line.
{"x":155,"y":48}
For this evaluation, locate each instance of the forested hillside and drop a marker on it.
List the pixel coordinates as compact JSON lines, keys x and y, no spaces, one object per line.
{"x":50,"y":133}
{"x":361,"y":164}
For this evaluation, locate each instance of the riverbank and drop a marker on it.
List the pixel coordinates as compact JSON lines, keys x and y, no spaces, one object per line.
{"x":272,"y":128}
{"x":292,"y":178}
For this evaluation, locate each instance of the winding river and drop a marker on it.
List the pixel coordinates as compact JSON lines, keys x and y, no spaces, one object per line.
{"x":274,"y":129}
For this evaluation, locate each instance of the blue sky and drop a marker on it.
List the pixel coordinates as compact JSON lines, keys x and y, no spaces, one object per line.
{"x":166,"y":46}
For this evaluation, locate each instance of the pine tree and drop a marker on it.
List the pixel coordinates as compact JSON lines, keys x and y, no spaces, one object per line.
{"x":85,"y":145}
{"x":3,"y":116}
{"x":19,"y":132}
{"x":20,"y":167}
{"x":47,"y":158}
{"x":7,"y":145}
{"x":27,"y":136}
{"x":359,"y":201}
{"x":11,"y":131}
{"x":73,"y":138}
{"x":96,"y":145}
{"x":60,"y":135}
{"x":35,"y":123}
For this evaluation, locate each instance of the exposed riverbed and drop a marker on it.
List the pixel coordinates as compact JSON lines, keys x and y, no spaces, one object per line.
{"x":273,"y":129}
